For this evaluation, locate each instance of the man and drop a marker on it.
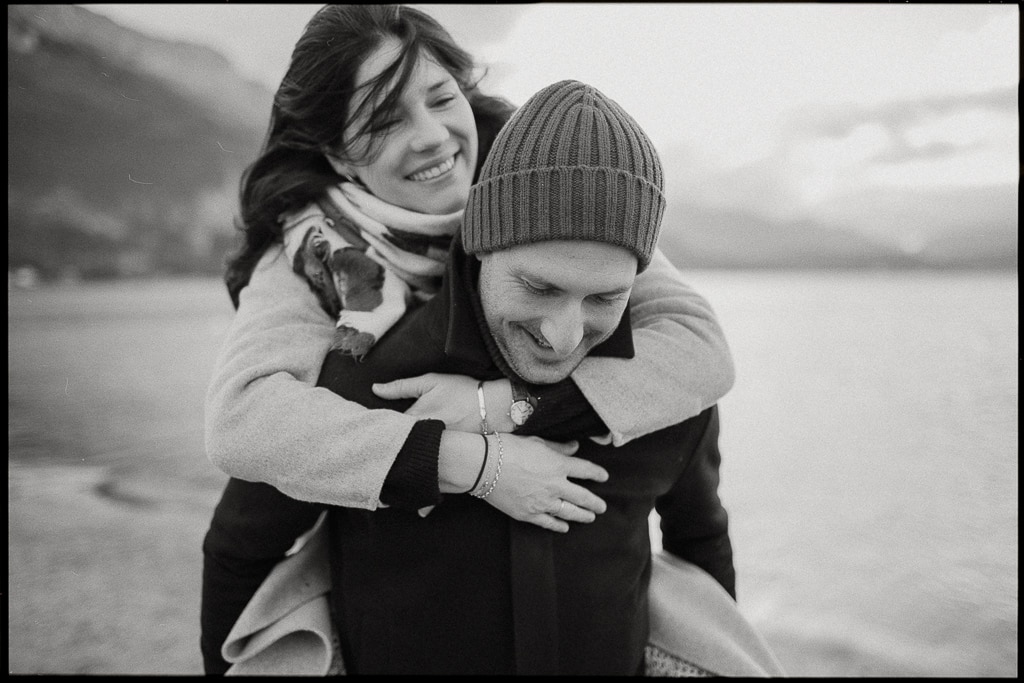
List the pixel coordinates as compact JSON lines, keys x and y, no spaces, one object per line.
{"x":566,"y":212}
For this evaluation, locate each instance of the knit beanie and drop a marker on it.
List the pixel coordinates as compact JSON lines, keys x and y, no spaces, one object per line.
{"x":570,"y":164}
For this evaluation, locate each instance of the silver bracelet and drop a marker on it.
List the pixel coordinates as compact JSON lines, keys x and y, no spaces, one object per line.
{"x":484,"y":429}
{"x":497,"y":472}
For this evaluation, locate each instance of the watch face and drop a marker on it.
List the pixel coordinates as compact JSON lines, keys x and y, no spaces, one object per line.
{"x":520,"y":412}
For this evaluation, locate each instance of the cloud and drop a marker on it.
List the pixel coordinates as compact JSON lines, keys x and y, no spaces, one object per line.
{"x":832,"y":161}
{"x":837,"y":120}
{"x":931,"y":151}
{"x":976,"y":145}
{"x":930,"y":142}
{"x":474,"y":28}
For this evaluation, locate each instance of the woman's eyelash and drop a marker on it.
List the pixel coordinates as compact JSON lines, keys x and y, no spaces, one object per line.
{"x":386,"y":125}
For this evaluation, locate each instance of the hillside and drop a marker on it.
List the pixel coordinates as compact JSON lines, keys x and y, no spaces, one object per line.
{"x":124,"y":151}
{"x":874,"y":227}
{"x":707,"y":238}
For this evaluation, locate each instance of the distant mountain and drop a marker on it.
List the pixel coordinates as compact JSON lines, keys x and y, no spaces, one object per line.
{"x":941,"y":228}
{"x":701,"y":237}
{"x":124,"y":151}
{"x":960,"y":226}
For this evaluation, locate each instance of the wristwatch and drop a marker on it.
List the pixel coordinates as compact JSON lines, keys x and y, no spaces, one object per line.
{"x":523,"y":405}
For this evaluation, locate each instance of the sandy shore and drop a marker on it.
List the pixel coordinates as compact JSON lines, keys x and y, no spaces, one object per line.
{"x":90,"y":587}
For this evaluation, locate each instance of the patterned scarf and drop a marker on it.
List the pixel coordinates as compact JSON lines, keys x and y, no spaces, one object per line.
{"x":366,"y":260}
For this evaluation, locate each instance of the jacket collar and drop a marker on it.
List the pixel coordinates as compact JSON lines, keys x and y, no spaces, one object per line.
{"x":467,"y":338}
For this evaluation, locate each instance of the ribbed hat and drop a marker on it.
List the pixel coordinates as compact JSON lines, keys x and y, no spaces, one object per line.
{"x":570,"y":164}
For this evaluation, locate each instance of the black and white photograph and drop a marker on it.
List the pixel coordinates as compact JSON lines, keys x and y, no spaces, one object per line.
{"x":561,"y":339}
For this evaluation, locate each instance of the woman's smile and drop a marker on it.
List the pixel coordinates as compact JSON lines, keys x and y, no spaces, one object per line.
{"x":433,"y":171}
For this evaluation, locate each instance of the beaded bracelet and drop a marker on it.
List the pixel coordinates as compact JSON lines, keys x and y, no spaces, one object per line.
{"x":482,"y":467}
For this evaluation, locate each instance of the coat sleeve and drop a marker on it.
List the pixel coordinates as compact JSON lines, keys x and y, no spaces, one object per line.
{"x":694,"y":523}
{"x":681,"y":367}
{"x":265,"y":420}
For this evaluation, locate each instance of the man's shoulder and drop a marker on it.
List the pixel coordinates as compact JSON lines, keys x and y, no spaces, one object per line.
{"x":414,"y":345}
{"x":661,"y":456}
{"x":682,"y":436}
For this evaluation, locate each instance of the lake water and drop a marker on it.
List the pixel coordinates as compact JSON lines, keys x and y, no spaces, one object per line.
{"x":870,"y":448}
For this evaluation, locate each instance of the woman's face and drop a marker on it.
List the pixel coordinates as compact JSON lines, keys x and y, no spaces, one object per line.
{"x":424,"y":160}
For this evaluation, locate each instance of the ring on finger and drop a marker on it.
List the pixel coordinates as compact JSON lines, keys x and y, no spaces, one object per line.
{"x":561,"y":506}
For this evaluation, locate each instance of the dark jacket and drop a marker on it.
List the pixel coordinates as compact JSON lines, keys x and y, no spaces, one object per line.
{"x":467,"y":589}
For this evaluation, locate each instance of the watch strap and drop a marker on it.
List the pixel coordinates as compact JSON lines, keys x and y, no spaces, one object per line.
{"x":523,"y":405}
{"x":521,"y":393}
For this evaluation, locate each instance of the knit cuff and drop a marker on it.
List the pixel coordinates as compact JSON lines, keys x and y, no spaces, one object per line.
{"x":412,"y":482}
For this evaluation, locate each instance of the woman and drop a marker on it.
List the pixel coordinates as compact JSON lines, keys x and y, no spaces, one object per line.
{"x":280,"y":335}
{"x":267,"y":423}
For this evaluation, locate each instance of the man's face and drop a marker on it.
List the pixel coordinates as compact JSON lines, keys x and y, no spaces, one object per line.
{"x":548,"y":304}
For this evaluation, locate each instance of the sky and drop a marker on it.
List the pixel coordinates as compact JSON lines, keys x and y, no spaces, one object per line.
{"x":793,"y":111}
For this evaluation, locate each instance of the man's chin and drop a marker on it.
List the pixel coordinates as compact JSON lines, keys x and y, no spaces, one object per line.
{"x":535,"y":371}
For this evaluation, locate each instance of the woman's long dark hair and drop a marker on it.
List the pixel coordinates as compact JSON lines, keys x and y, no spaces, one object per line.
{"x":310,"y":113}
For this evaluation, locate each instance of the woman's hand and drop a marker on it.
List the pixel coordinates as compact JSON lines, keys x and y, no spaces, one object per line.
{"x":453,"y":399}
{"x":535,"y":473}
{"x":534,"y":485}
{"x":534,"y":479}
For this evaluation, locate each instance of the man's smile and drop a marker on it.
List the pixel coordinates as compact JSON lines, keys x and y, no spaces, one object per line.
{"x":537,"y":339}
